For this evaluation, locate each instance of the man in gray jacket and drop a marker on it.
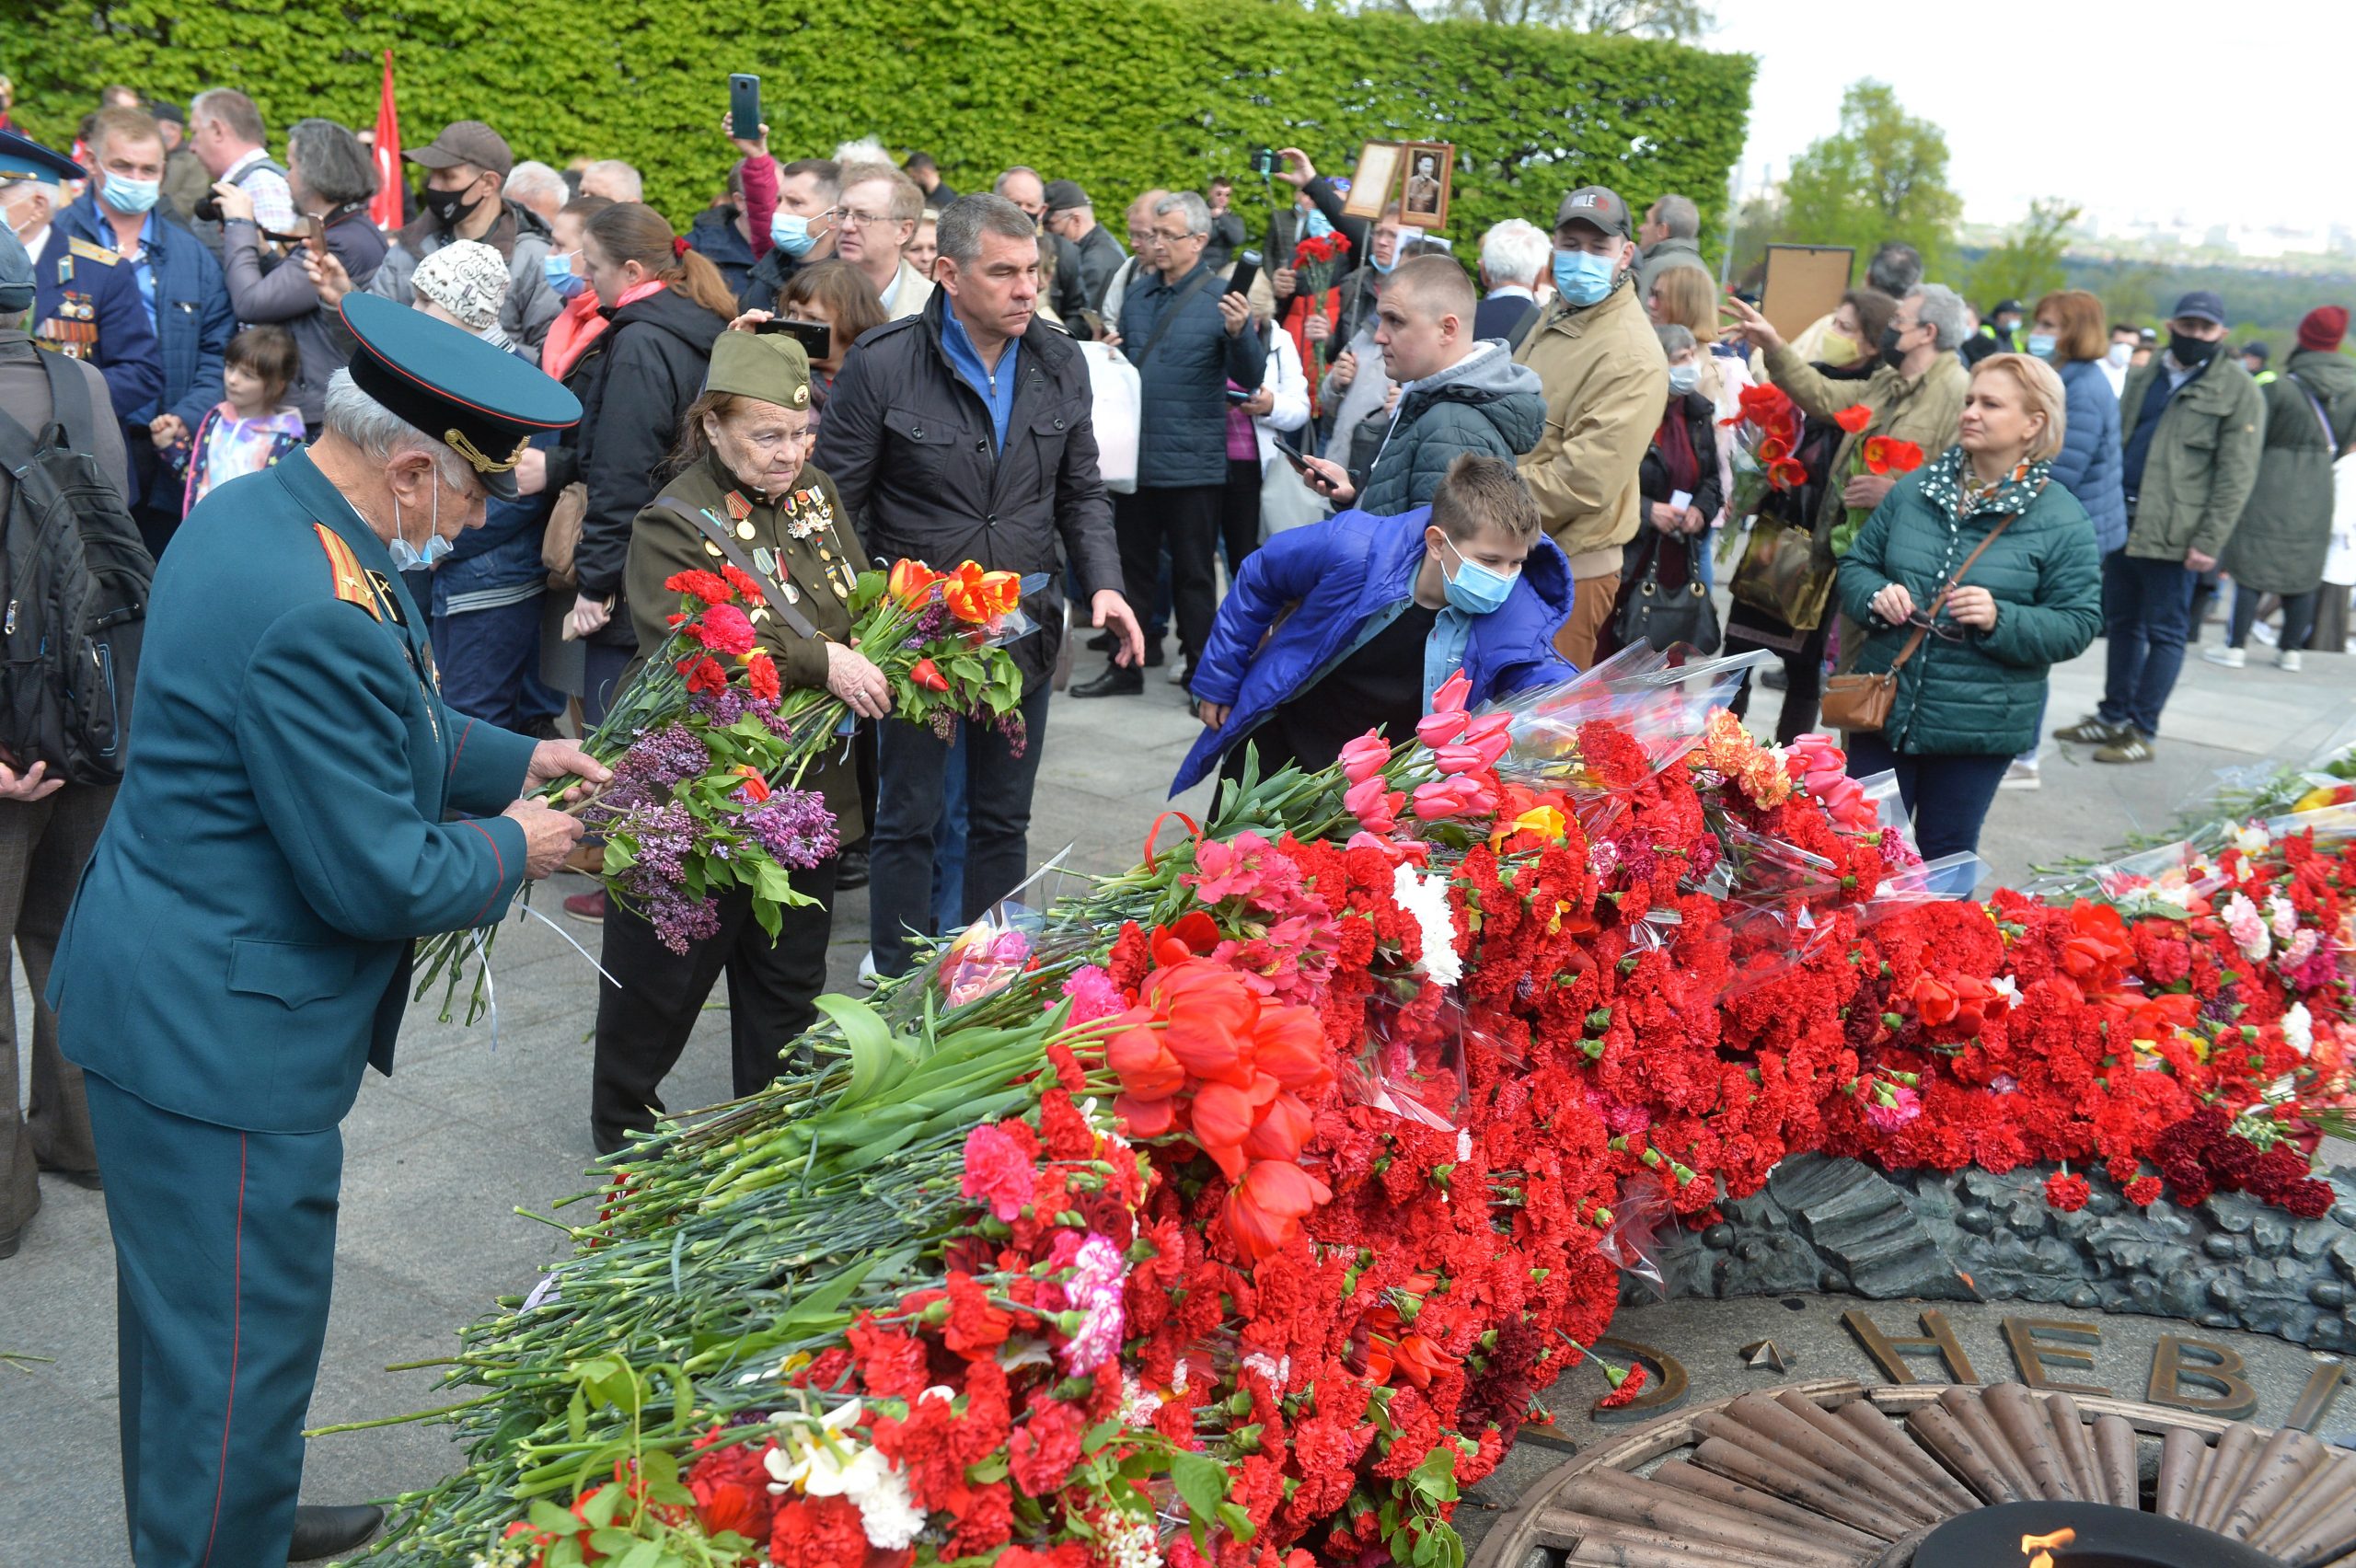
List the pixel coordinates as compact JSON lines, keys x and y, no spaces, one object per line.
{"x":1672,"y":237}
{"x":1185,"y":334}
{"x":464,"y":198}
{"x":1456,"y":394}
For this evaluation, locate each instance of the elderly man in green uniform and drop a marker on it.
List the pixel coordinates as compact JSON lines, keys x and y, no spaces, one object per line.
{"x":299,"y":804}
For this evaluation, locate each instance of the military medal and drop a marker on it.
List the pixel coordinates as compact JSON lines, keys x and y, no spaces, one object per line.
{"x":738,"y":507}
{"x":792,"y":595}
{"x":764,"y":558}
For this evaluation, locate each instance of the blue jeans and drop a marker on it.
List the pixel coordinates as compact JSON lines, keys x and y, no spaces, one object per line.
{"x":949,"y":841}
{"x":2146,"y":612}
{"x":490,"y":665}
{"x":910,"y":802}
{"x":1947,"y":796}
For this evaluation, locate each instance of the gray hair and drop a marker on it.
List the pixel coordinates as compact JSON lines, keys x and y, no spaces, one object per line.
{"x":1943,"y":308}
{"x":1515,"y":251}
{"x":232,"y":110}
{"x":333,"y":165}
{"x":864,"y":149}
{"x":532,"y":178}
{"x":48,"y":188}
{"x":1896,"y":268}
{"x":1197,"y":211}
{"x":383,"y":435}
{"x":1675,"y":337}
{"x":1679,"y":215}
{"x":625,"y":179}
{"x":964,"y":221}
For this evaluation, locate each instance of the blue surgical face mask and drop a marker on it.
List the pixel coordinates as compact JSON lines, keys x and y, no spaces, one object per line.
{"x":2042,"y":344}
{"x":131,"y":196}
{"x":1318,"y":225}
{"x":1583,"y":279}
{"x":1382,"y":268}
{"x":1684,"y":379}
{"x":1474,"y":589}
{"x":562,"y":281}
{"x":407,"y":556}
{"x":790,"y":232}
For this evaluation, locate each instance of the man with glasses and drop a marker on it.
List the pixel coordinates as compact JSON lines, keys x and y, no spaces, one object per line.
{"x":1185,"y":334}
{"x":877,"y":215}
{"x":1144,"y":260}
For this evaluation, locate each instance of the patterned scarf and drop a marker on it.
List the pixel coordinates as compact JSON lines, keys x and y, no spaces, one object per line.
{"x":1949,"y":484}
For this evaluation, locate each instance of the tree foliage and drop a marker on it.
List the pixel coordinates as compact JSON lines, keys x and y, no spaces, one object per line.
{"x":2028,"y":264}
{"x":1120,"y":95}
{"x":1881,"y":177}
{"x":1685,"y":20}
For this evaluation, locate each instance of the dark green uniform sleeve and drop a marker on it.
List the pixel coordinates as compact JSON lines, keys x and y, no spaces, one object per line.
{"x":487,"y":762}
{"x":322,"y":727}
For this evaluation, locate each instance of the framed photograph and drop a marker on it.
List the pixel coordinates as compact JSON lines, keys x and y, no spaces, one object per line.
{"x":1424,"y":203}
{"x":1804,"y":281}
{"x":1377,"y":177}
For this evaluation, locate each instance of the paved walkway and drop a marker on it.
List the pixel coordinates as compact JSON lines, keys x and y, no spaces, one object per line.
{"x":474,"y":1125}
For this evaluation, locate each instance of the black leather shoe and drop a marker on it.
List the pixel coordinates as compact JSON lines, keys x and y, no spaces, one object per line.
{"x":10,"y":1242}
{"x":330,"y":1532}
{"x":1101,"y":643}
{"x":609,"y":1140}
{"x":1116,"y":681}
{"x":851,"y":871}
{"x":1152,"y":655}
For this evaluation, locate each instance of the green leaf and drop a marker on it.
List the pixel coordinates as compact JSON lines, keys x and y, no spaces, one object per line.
{"x":1201,"y":1481}
{"x":870,"y":1039}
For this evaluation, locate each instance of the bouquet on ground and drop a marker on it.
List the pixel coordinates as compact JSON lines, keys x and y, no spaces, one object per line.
{"x":1876,"y":454}
{"x":707,"y":749}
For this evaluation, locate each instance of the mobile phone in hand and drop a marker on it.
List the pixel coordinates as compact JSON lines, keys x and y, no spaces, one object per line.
{"x":745,"y":105}
{"x":1237,"y":395}
{"x":1247,"y":271}
{"x":1290,"y":454}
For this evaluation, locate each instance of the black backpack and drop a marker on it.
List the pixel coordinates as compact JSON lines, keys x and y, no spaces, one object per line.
{"x":74,"y":582}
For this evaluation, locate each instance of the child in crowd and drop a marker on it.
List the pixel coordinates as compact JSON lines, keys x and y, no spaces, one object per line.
{"x":251,"y":428}
{"x":1353,"y":623}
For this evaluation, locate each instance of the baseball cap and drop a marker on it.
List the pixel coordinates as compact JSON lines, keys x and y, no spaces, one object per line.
{"x":2007,"y":307}
{"x":165,"y":111}
{"x":1599,"y":208}
{"x":464,"y":142}
{"x":1063,"y":195}
{"x":16,"y":274}
{"x":2201,"y":304}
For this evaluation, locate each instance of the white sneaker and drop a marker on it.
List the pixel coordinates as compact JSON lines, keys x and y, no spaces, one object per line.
{"x":2231,"y":658}
{"x":2287,"y":660}
{"x":1177,"y":675}
{"x":2264,"y":631}
{"x":2020,"y":776}
{"x":867,"y":976}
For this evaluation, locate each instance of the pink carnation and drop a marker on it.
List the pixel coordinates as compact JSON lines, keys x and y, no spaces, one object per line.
{"x":998,"y":1170}
{"x":1093,"y":995}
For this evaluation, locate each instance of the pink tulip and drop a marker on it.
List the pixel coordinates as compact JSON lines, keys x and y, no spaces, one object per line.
{"x":1458,"y":759}
{"x":1444,"y":797}
{"x":1441,"y":725}
{"x":1489,"y":748}
{"x":1454,"y":692}
{"x":1368,"y":802}
{"x":1365,"y":757}
{"x":1488,"y":724}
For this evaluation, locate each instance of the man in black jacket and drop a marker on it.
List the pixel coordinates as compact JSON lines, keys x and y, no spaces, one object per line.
{"x":1092,"y":255}
{"x":965,"y":433}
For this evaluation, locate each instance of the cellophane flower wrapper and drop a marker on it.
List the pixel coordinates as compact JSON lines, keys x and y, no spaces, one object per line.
{"x":1412,"y":1062}
{"x":1632,"y":1242}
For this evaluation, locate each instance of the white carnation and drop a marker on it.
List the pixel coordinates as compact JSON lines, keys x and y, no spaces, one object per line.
{"x":1425,"y":898}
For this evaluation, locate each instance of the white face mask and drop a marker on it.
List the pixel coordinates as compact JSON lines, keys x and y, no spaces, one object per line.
{"x":407,"y":556}
{"x":2119,"y":354}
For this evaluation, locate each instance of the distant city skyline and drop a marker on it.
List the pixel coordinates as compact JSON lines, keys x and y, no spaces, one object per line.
{"x":2137,"y":114}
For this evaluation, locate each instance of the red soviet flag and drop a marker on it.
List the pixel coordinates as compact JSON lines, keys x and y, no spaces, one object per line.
{"x":385,"y":209}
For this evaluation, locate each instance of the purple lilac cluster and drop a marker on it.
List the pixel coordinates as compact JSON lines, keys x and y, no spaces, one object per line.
{"x":926,"y":626}
{"x":660,"y":838}
{"x":794,"y":826}
{"x":663,"y":759}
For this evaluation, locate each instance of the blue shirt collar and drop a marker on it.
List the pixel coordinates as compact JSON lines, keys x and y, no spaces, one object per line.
{"x":997,"y":391}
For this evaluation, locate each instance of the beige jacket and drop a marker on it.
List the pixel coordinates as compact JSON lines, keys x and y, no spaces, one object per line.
{"x":1923,"y":411}
{"x":909,"y":291}
{"x":1607,"y":385}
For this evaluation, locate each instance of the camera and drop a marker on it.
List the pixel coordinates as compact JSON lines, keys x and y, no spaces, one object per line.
{"x":1264,"y":161}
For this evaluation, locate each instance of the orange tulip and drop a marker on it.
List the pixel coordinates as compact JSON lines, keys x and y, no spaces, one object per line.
{"x":1144,"y":1065}
{"x":1282,"y":1131}
{"x":972,"y":594}
{"x":1264,"y":1211}
{"x":911,"y":581}
{"x":1211,"y":1013}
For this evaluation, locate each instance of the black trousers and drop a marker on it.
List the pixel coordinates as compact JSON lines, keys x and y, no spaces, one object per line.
{"x":1186,"y":519}
{"x":1803,"y":680}
{"x":1238,"y":513}
{"x":646,"y":1012}
{"x":908,"y":807}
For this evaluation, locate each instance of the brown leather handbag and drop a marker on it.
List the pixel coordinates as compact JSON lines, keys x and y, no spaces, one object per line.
{"x":1784,"y":573}
{"x":1862,"y":703}
{"x":564,"y":535}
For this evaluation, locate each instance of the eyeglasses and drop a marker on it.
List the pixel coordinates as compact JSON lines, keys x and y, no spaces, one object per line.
{"x":1947,"y":629}
{"x":1178,"y":238}
{"x":850,"y":219}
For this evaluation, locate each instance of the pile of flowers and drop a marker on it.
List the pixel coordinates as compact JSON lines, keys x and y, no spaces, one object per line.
{"x":1240,"y":1210}
{"x":708,"y":749}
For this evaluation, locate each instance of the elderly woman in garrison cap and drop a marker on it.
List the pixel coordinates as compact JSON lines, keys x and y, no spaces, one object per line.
{"x":741,"y":473}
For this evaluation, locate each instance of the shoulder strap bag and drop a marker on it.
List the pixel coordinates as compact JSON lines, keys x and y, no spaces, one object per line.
{"x":1170,"y":314}
{"x":1862,"y":703}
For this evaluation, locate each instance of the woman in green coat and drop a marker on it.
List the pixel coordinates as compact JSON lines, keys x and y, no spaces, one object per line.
{"x":1970,"y":695}
{"x":743,"y":458}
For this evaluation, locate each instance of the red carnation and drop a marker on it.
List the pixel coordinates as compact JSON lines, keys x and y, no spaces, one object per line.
{"x":731,"y":1491}
{"x":2144,"y":1192}
{"x":819,"y":1532}
{"x":2067,"y":1192}
{"x":760,"y":674}
{"x":726,"y":630}
{"x":704,"y":673}
{"x":704,"y":585}
{"x":745,"y":586}
{"x":977,"y":1328}
{"x":1044,"y":1450}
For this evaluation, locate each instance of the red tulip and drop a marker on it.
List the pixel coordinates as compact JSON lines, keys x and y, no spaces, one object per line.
{"x":1288,"y":1044}
{"x":1211,"y":1012}
{"x":1854,"y":418}
{"x":1144,"y":1065}
{"x":926,"y":674}
{"x":1144,"y":1118}
{"x":911,"y":581}
{"x":1282,"y":1131}
{"x":1264,"y":1210}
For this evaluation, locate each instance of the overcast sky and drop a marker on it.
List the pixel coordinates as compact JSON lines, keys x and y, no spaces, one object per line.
{"x":2126,"y":107}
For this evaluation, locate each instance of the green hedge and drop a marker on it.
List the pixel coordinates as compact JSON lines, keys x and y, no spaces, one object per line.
{"x":1119,"y":93}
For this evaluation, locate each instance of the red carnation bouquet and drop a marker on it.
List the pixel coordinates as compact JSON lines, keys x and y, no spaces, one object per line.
{"x":1317,"y":262}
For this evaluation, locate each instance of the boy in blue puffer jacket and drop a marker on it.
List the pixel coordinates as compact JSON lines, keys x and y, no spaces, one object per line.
{"x":1354,"y":622}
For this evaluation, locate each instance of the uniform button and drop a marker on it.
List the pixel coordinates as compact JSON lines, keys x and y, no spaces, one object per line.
{"x":981,"y":446}
{"x":917,"y":432}
{"x":1059,"y":424}
{"x":992,"y":519}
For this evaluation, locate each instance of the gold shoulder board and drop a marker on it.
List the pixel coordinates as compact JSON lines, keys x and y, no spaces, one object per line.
{"x":343,"y":567}
{"x":89,"y":252}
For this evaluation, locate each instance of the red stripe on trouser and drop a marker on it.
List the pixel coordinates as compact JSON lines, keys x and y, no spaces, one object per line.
{"x":237,"y":1318}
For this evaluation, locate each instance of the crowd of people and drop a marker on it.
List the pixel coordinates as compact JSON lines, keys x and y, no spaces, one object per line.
{"x":1161,"y":432}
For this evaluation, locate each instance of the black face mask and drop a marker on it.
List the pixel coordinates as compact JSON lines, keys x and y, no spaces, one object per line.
{"x":1892,"y":354}
{"x":450,"y":208}
{"x":2191,"y":353}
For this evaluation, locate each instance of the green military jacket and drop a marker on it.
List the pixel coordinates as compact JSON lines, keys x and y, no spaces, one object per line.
{"x":2203,"y":460}
{"x":299,"y":804}
{"x":2285,"y":529}
{"x":804,"y":544}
